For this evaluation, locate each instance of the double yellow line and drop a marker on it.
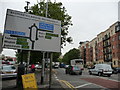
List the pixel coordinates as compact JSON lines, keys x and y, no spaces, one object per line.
{"x":68,"y":84}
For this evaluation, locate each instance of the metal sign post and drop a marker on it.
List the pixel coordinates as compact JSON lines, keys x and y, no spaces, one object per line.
{"x":28,"y":61}
{"x":50,"y":74}
{"x":43,"y":68}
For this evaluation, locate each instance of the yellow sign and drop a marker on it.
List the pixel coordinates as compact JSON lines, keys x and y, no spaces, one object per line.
{"x":29,"y":81}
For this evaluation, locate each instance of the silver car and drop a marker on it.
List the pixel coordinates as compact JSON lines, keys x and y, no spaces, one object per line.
{"x":8,"y":71}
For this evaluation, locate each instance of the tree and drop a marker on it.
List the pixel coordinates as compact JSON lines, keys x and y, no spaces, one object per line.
{"x":35,"y":56}
{"x":55,"y":11}
{"x":72,"y":54}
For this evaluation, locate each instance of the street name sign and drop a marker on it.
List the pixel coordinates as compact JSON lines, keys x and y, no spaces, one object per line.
{"x":30,"y":32}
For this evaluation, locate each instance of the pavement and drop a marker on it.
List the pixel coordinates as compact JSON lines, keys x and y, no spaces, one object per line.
{"x":55,"y":84}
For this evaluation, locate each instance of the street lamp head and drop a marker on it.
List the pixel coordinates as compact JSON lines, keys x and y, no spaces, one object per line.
{"x":27,"y":2}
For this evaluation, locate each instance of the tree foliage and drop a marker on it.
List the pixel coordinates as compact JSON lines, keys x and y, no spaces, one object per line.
{"x":35,"y":56}
{"x":72,"y":54}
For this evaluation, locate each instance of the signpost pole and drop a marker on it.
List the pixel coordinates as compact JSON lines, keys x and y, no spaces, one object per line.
{"x":43,"y":67}
{"x":28,"y":61}
{"x":21,"y":70}
{"x":50,"y":75}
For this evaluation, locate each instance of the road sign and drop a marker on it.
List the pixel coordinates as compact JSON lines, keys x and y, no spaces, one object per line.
{"x":30,"y":32}
{"x":29,"y":81}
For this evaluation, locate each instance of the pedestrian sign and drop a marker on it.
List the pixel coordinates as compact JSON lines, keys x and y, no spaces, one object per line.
{"x":29,"y":81}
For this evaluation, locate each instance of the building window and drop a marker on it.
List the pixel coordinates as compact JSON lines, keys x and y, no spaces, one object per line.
{"x":113,"y":54}
{"x":113,"y":46}
{"x":114,"y":62}
{"x":113,"y":39}
{"x":117,"y":28}
{"x":112,"y":32}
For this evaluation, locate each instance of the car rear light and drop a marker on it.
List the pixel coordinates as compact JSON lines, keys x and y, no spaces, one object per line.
{"x":82,"y":68}
{"x":8,"y":62}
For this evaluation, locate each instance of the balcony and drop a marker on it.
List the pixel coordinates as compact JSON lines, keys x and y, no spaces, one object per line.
{"x":106,"y":44}
{"x":107,"y":51}
{"x":108,"y":59}
{"x":106,"y":37}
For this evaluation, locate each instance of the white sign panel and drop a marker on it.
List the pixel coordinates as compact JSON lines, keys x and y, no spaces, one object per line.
{"x":31,"y":32}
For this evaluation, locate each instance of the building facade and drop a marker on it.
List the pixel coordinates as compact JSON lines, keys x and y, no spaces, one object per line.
{"x":1,"y":49}
{"x":105,"y":48}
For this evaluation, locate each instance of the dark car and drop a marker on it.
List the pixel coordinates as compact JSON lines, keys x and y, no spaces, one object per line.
{"x":115,"y":71}
{"x":73,"y":70}
{"x":118,"y":70}
{"x":55,"y":66}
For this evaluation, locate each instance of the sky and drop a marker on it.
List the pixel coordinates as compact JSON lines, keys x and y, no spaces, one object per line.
{"x":89,"y":18}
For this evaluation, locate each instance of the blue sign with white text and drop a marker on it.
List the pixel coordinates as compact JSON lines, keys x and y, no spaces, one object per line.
{"x":46,"y":27}
{"x":14,"y":32}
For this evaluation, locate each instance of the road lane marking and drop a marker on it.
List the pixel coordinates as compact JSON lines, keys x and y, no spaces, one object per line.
{"x":68,"y":84}
{"x":83,"y":85}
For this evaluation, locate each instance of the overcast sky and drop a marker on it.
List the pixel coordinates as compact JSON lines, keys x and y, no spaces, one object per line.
{"x":89,"y":18}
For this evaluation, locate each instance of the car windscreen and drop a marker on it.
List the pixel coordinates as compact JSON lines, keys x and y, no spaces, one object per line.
{"x":8,"y":68}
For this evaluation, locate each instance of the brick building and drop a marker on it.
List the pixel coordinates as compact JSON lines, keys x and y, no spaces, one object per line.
{"x":105,"y":48}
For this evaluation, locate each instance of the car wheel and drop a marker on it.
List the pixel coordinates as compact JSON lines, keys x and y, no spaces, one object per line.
{"x":99,"y":74}
{"x":70,"y":73}
{"x":90,"y":73}
{"x":66,"y":72}
{"x":109,"y":75}
{"x":80,"y":73}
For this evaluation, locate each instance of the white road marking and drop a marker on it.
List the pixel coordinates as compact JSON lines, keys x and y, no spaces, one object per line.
{"x":83,"y":85}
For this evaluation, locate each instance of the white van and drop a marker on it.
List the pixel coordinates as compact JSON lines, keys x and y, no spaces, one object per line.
{"x":101,"y":69}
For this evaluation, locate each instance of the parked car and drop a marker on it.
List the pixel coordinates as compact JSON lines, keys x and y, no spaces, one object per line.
{"x":8,"y":71}
{"x":38,"y":66}
{"x":115,"y":71}
{"x":101,"y":69}
{"x":73,"y":70}
{"x":55,"y":66}
{"x":62,"y":65}
{"x":118,"y":69}
{"x":12,"y":62}
{"x":5,"y":62}
{"x":66,"y":66}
